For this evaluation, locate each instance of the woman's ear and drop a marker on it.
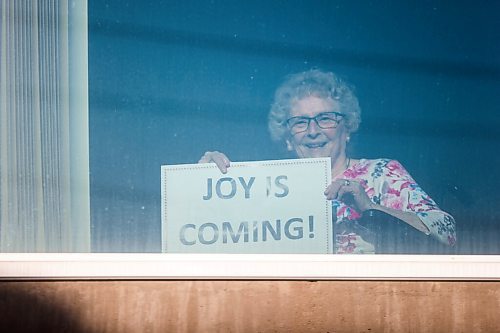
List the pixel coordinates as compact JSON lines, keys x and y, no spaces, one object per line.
{"x":289,"y":145}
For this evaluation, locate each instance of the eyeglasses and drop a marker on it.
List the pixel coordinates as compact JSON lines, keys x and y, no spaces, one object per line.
{"x":323,"y":120}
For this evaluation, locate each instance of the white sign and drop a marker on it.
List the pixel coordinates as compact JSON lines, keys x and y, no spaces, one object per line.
{"x":256,"y":207}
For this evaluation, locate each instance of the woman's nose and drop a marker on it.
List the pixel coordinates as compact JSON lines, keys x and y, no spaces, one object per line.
{"x":313,"y":129}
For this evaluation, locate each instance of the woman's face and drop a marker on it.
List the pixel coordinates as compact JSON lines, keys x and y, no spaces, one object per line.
{"x":316,"y":141}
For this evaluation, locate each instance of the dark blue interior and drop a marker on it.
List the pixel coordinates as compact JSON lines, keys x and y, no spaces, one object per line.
{"x":169,"y":80}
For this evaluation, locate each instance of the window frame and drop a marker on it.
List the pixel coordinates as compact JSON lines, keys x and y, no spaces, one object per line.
{"x":132,"y":266}
{"x":136,"y":266}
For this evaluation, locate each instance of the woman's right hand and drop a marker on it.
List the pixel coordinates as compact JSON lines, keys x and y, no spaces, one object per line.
{"x":218,"y":158}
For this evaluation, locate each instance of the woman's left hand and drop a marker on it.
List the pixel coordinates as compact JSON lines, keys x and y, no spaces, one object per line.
{"x":338,"y":188}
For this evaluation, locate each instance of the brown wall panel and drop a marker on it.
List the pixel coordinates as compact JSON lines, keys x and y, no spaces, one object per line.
{"x":250,"y":306}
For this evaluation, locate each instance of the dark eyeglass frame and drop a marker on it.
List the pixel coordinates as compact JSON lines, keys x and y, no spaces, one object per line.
{"x":292,"y":122}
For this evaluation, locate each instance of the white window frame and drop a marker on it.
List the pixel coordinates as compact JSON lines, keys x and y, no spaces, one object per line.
{"x":22,"y":266}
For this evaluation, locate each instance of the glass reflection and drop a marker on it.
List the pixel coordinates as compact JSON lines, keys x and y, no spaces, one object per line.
{"x":170,"y":81}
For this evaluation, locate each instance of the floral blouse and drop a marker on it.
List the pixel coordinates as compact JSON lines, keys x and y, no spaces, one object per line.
{"x":387,"y":183}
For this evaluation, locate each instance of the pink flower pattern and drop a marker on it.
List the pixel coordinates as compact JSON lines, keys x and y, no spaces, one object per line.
{"x":387,"y":183}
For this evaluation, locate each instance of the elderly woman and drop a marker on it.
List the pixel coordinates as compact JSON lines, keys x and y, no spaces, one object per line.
{"x":314,"y":114}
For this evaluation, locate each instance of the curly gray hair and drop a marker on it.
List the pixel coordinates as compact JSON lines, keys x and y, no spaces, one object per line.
{"x":316,"y":83}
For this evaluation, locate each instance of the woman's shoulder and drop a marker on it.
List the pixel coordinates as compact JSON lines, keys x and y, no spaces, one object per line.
{"x":380,"y":162}
{"x":375,"y":167}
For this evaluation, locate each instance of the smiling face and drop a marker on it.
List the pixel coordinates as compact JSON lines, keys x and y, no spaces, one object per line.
{"x":316,"y":141}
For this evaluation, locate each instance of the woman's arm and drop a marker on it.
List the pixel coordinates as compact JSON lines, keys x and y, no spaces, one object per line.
{"x":341,"y":187}
{"x":410,"y":218}
{"x":386,"y":186}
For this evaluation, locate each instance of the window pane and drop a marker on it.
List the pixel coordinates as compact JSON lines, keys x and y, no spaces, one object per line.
{"x":170,"y":80}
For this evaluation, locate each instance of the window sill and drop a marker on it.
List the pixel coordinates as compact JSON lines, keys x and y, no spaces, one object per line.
{"x":133,"y":266}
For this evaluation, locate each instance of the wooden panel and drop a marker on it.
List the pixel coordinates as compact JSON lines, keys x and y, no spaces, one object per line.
{"x":250,"y":306}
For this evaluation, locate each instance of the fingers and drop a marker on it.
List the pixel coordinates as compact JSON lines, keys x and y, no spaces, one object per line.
{"x":338,"y":188}
{"x":218,"y":158}
{"x":349,"y":186}
{"x":332,"y":190}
